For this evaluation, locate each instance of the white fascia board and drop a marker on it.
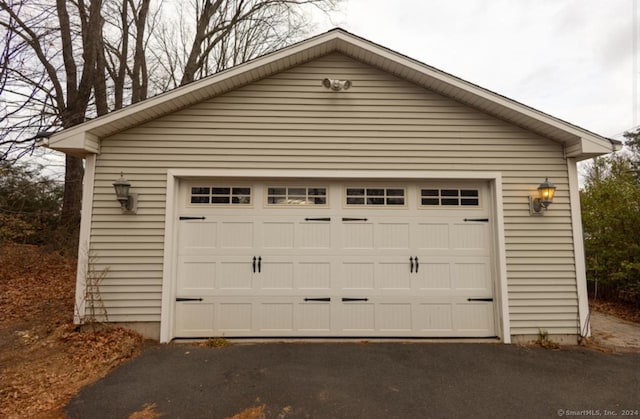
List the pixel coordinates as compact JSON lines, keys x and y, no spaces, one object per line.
{"x":481,"y":93}
{"x":136,"y":112}
{"x":78,"y":143}
{"x":587,"y":149}
{"x":335,"y":40}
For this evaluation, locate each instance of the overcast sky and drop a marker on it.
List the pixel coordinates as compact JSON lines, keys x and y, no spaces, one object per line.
{"x":569,"y":58}
{"x":572,"y":59}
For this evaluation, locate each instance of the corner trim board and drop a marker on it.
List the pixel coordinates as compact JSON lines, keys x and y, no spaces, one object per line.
{"x":84,"y":239}
{"x":578,"y":246}
{"x":168,"y":270}
{"x":501,"y":260}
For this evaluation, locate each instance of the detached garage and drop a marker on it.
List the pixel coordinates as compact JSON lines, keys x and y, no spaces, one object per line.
{"x":334,"y":188}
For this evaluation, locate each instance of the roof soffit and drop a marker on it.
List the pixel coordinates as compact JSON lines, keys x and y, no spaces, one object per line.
{"x":359,"y":49}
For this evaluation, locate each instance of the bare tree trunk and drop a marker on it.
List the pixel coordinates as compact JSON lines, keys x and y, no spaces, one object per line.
{"x":100,"y":84}
{"x":60,"y":64}
{"x":138,"y":78}
{"x":119,"y":78}
{"x":78,"y":95}
{"x":72,"y":201}
{"x":204,"y":18}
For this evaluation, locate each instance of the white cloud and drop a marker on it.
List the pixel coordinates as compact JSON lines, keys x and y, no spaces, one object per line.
{"x":569,"y":58}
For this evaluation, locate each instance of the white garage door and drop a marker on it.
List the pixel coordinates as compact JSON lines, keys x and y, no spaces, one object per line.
{"x":334,"y":259}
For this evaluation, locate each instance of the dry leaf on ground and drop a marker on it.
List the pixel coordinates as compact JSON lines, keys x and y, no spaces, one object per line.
{"x":44,"y":359}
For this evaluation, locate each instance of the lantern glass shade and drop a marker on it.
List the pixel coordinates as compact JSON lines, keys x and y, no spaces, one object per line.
{"x":546,"y":190}
{"x":122,"y":187}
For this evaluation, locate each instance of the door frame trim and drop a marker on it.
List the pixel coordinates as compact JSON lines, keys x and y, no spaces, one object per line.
{"x":174,"y":176}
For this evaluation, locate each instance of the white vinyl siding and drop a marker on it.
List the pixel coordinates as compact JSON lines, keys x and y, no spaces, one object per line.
{"x":381,"y":123}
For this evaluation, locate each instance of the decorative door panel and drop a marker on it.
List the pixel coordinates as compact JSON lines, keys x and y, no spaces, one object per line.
{"x":197,"y":237}
{"x":197,"y":275}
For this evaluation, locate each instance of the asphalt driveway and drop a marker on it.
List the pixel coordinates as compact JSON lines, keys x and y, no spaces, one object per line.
{"x":368,"y":380}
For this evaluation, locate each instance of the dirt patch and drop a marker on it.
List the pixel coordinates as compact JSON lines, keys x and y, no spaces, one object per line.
{"x":148,"y":412}
{"x":625,"y":311}
{"x":44,"y":358}
{"x":257,"y":412}
{"x":610,"y":333}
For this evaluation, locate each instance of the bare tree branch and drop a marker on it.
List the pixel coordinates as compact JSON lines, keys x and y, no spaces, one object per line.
{"x":16,"y":25}
{"x":64,"y":61}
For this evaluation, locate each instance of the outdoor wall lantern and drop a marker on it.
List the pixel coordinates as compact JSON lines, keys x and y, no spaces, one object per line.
{"x":539,"y":204}
{"x":128,"y":201}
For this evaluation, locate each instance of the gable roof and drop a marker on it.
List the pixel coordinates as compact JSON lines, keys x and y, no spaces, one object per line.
{"x":580,"y":143}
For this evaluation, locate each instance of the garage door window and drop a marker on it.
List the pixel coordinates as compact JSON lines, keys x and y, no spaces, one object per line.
{"x":296,"y":195}
{"x":449,"y":197}
{"x":220,"y":195}
{"x":375,"y":196}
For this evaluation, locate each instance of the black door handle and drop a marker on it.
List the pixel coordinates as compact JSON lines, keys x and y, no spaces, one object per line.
{"x":259,"y":264}
{"x":411,"y":262}
{"x":417,"y":264}
{"x":254,"y":264}
{"x":354,"y":299}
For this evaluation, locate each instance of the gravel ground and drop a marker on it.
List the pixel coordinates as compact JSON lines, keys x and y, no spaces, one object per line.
{"x":611,"y":332}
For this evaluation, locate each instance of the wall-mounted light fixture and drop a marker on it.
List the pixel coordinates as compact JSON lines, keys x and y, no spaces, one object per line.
{"x":539,"y":204}
{"x":336,"y":85}
{"x":128,"y":201}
